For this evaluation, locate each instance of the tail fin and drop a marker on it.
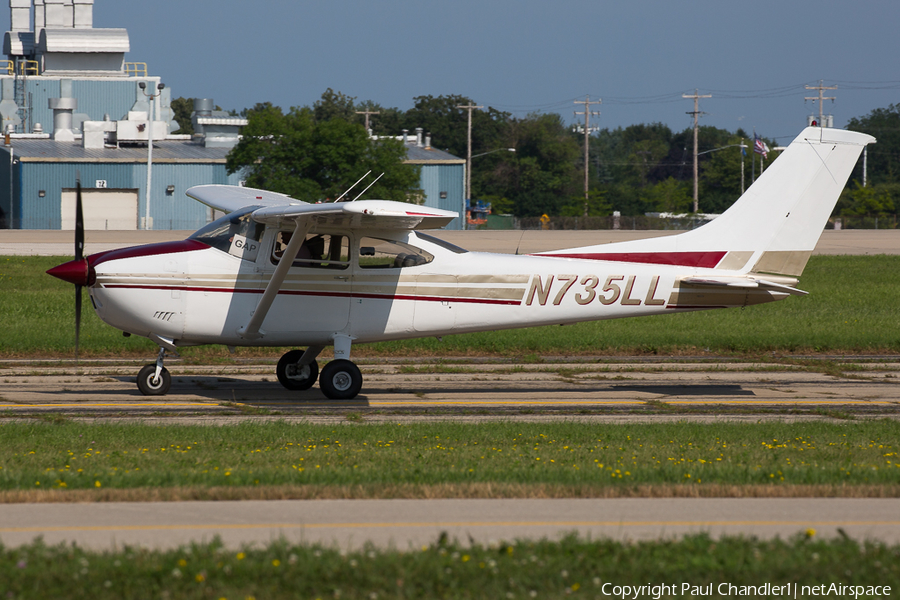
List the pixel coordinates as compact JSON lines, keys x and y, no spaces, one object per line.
{"x":773,"y":227}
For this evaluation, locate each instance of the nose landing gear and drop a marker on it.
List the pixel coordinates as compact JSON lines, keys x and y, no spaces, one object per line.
{"x":154,"y":379}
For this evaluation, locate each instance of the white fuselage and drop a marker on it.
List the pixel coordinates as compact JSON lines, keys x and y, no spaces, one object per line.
{"x":196,"y":294}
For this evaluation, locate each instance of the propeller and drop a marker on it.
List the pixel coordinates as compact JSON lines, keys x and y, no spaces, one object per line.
{"x":79,"y":256}
{"x":76,"y":271}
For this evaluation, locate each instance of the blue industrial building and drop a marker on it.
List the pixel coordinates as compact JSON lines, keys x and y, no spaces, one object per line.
{"x":70,"y":104}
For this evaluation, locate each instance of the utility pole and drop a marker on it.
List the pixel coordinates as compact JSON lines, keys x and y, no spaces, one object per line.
{"x":587,"y":132}
{"x":367,"y":113}
{"x":821,"y":98}
{"x":470,"y":108}
{"x":696,"y":112}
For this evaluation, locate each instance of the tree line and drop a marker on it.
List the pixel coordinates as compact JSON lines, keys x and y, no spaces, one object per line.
{"x":314,"y":153}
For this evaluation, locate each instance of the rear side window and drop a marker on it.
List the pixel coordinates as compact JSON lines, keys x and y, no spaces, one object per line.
{"x":376,"y":253}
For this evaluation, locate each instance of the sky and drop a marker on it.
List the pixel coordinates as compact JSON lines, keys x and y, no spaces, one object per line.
{"x":638,"y":57}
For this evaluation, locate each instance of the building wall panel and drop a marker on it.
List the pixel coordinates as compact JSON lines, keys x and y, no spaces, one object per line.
{"x":446,"y":179}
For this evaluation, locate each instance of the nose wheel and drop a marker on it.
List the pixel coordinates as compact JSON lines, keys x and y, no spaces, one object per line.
{"x":154,"y":379}
{"x":152,"y":384}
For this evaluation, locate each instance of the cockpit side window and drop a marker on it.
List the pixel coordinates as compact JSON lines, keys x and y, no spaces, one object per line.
{"x":236,"y":233}
{"x":376,"y":253}
{"x":318,"y":250}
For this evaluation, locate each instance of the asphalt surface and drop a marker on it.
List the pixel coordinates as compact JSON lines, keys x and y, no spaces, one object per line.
{"x":410,"y":524}
{"x":498,"y":388}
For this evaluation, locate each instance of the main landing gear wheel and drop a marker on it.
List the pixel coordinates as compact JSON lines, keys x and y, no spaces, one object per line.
{"x":294,"y":376}
{"x":150,"y":385}
{"x":340,"y":380}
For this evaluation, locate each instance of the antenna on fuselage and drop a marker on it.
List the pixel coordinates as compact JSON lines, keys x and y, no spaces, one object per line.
{"x":338,"y":199}
{"x":367,"y":187}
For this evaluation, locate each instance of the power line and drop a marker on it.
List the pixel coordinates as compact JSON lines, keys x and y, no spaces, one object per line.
{"x":696,"y":112}
{"x":587,"y":132}
{"x":469,"y":107}
{"x":821,"y":98}
{"x":367,"y":113}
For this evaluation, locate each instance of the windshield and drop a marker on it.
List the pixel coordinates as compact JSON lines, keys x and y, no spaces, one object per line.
{"x":439,"y":242}
{"x":232,"y":232}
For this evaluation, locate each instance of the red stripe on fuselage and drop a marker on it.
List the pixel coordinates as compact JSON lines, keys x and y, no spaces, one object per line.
{"x":706,"y":260}
{"x":147,"y":250}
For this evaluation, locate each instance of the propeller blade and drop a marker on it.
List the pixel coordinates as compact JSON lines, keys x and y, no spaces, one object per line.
{"x":77,"y":320}
{"x":79,"y":225}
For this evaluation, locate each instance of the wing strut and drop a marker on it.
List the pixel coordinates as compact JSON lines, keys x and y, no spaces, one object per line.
{"x":251,"y":330}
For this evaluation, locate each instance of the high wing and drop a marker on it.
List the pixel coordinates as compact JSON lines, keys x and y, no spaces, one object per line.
{"x":276,"y":209}
{"x":229,"y":198}
{"x":366,"y":214}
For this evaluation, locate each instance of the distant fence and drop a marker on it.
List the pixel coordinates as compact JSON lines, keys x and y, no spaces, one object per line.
{"x":622,"y":222}
{"x":888,"y":222}
{"x":642,"y":223}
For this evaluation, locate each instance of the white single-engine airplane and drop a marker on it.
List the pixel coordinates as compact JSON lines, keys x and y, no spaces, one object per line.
{"x":279,"y":272}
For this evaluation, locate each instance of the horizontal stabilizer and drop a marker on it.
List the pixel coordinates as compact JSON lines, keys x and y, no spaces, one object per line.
{"x":743,"y":282}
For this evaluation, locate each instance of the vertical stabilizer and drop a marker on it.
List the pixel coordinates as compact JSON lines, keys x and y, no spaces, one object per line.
{"x":773,"y":227}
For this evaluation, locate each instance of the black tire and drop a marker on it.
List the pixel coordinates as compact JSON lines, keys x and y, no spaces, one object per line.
{"x":340,"y":380}
{"x":149,"y":387}
{"x":292,"y":377}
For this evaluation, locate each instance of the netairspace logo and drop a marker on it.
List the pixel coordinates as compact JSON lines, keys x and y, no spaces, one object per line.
{"x":788,"y":590}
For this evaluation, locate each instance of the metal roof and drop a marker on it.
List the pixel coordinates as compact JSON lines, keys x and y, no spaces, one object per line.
{"x":84,"y":40}
{"x":173,"y":151}
{"x":166,"y":151}
{"x":427,"y":155}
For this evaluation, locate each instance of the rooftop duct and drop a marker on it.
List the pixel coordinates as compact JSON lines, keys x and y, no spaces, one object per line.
{"x":215,"y":128}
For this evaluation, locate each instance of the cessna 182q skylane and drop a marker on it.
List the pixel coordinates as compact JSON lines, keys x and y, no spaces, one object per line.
{"x":279,"y":272}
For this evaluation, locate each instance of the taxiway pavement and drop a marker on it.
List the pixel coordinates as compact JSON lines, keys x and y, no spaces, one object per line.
{"x":498,"y":387}
{"x":410,"y":524}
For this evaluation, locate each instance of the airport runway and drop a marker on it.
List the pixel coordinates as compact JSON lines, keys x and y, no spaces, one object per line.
{"x":502,"y":388}
{"x":410,"y":524}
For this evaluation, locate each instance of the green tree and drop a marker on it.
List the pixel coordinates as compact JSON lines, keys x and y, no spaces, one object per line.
{"x":448,"y":124}
{"x":182,"y":109}
{"x":335,"y":105}
{"x":870,"y":201}
{"x":670,"y":196}
{"x":720,"y":175}
{"x":883,"y":157}
{"x":543,"y":173}
{"x":598,"y":205}
{"x":315,"y":160}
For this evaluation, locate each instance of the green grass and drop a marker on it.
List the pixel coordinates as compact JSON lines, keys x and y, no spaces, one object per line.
{"x":543,"y":569}
{"x":851,"y":309}
{"x":582,"y":458}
